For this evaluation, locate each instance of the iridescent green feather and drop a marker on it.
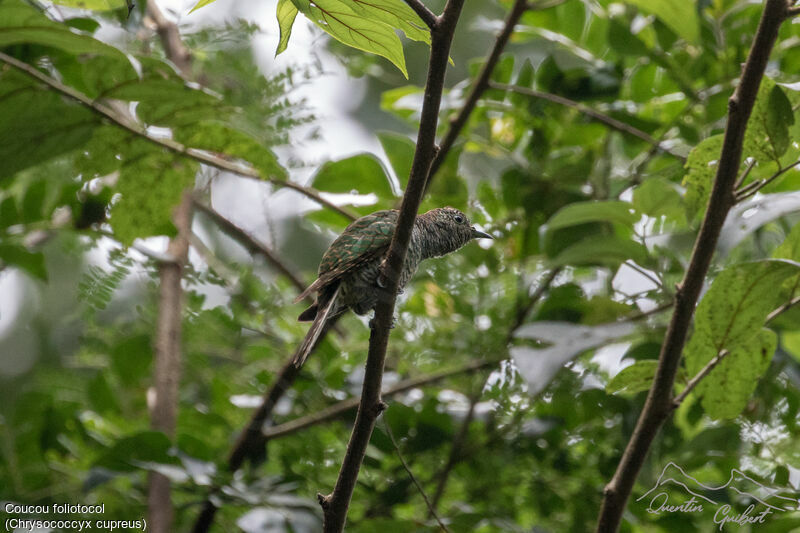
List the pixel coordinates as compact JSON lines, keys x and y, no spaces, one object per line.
{"x":362,"y":240}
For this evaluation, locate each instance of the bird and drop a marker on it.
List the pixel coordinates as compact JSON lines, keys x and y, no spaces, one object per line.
{"x":350,"y":269}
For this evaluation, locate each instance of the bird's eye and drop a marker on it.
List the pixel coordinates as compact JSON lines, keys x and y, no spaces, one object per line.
{"x":459,"y":219}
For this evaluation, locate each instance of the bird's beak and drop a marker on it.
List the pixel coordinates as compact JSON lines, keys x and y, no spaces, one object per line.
{"x":477,"y":234}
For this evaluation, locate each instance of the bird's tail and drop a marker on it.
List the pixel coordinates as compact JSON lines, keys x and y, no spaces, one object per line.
{"x":315,"y":330}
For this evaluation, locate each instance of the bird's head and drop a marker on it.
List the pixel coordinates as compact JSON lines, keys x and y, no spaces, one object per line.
{"x":449,"y":229}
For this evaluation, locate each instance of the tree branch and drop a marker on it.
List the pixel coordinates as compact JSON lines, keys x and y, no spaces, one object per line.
{"x":167,"y":367}
{"x":658,"y":405}
{"x":338,"y":409}
{"x":458,"y":122}
{"x":427,"y":16}
{"x":252,"y":244}
{"x":744,"y":175}
{"x":588,"y":111}
{"x":170,"y":37}
{"x":336,"y":504}
{"x":200,"y":156}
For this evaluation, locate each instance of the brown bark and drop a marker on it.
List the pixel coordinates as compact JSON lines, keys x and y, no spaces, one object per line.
{"x":167,"y":364}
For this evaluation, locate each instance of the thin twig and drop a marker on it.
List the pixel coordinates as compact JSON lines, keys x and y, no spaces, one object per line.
{"x":427,"y":16}
{"x":698,"y":378}
{"x":431,"y":509}
{"x":658,"y":405}
{"x":744,"y":175}
{"x":170,"y":37}
{"x":458,"y":122}
{"x":630,"y":264}
{"x":252,"y":244}
{"x":651,"y":312}
{"x":135,"y":128}
{"x":335,"y":505}
{"x":588,"y":111}
{"x":336,"y":410}
{"x":782,"y":309}
{"x":750,"y":189}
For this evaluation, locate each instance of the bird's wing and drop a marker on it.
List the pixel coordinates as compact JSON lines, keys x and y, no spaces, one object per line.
{"x":363,"y":240}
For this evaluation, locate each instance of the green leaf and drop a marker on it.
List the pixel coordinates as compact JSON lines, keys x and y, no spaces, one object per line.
{"x":404,"y":102}
{"x":22,"y":23}
{"x":740,"y":298}
{"x":767,"y":134}
{"x":342,"y":22}
{"x":701,"y":166}
{"x":790,"y":342}
{"x":679,"y":15}
{"x":779,"y":118}
{"x":286,"y":13}
{"x":19,"y":256}
{"x":201,"y":3}
{"x":525,"y":79}
{"x":150,"y":188}
{"x":361,"y":174}
{"x":37,"y":124}
{"x":728,"y":387}
{"x":790,"y":247}
{"x":635,"y":378}
{"x":9,"y":215}
{"x":147,"y":446}
{"x":594,"y":211}
{"x":169,"y":101}
{"x":397,"y":14}
{"x":400,"y":152}
{"x":623,"y":41}
{"x":602,"y":250}
{"x":222,"y":138}
{"x":94,"y":5}
{"x":101,"y":396}
{"x":658,"y":197}
{"x":85,"y":24}
{"x":131,"y":358}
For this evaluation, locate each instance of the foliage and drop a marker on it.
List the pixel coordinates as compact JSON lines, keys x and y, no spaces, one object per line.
{"x":79,"y":195}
